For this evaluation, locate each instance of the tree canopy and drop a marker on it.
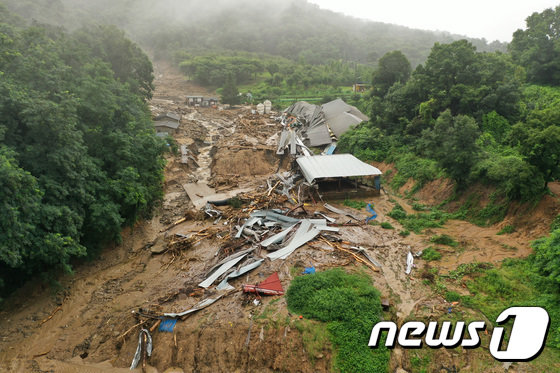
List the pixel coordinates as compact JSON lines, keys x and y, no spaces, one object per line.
{"x":472,"y":113}
{"x":393,"y":67}
{"x":78,"y":152}
{"x":537,"y":48}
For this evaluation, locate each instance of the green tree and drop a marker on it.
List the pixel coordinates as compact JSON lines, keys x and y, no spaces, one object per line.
{"x":272,"y":68}
{"x":547,"y":256}
{"x":78,"y":152}
{"x":393,"y":67}
{"x":537,"y":48}
{"x":230,"y":93}
{"x":541,"y":148}
{"x":452,"y":142}
{"x":496,"y":125}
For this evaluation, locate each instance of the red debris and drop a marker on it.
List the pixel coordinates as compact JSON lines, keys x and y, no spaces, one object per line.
{"x":270,"y":286}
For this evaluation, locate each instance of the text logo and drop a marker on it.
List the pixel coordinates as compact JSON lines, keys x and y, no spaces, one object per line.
{"x":525,"y":343}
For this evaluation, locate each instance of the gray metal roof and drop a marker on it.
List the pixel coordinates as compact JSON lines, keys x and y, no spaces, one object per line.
{"x":167,"y":123}
{"x":340,"y":116}
{"x":174,"y":116}
{"x":336,"y":165}
{"x":336,"y":115}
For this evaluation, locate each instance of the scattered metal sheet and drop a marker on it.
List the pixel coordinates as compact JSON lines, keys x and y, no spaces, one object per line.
{"x":248,"y":224}
{"x":232,"y":256}
{"x":340,"y":212}
{"x":409,"y":263}
{"x":282,"y":142}
{"x":331,"y":220}
{"x":241,"y":271}
{"x":211,"y":212}
{"x":200,"y":193}
{"x":138,"y":353}
{"x":364,"y":252}
{"x":200,"y":305}
{"x":278,"y":237}
{"x":274,"y":216}
{"x":305,"y":233}
{"x":304,"y":149}
{"x":293,"y":143}
{"x":330,"y":229}
{"x":220,"y":271}
{"x":250,"y":232}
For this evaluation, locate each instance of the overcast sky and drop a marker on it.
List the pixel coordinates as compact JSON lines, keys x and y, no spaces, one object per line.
{"x":489,"y":19}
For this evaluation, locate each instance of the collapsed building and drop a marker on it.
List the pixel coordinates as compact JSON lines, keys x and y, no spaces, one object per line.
{"x":167,"y":124}
{"x":322,"y":124}
{"x":335,"y":176}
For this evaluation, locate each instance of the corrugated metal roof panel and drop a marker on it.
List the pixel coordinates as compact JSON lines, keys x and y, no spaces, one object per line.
{"x":336,"y":165}
{"x":167,"y":123}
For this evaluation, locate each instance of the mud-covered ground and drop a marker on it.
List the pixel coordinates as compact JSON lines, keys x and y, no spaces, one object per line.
{"x":87,"y":325}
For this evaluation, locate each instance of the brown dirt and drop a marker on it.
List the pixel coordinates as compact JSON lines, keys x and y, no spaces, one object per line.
{"x":436,"y":191}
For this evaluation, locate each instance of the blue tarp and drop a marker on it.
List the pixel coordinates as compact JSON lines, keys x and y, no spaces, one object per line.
{"x":167,"y":325}
{"x":309,"y":271}
{"x":369,"y":207}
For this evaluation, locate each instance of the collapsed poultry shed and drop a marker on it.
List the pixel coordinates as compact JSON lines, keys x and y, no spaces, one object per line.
{"x":323,"y":124}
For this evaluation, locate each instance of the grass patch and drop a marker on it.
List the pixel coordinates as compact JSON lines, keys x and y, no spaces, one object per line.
{"x":409,"y":165}
{"x":444,"y":239}
{"x":350,"y":305}
{"x":431,"y":254}
{"x":420,"y":360}
{"x":358,"y":205}
{"x":506,"y":230}
{"x":452,"y":296}
{"x":315,"y":337}
{"x":513,"y":283}
{"x":419,"y":207}
{"x":404,"y":233}
{"x":386,"y":225}
{"x":420,"y":221}
{"x":555,"y":223}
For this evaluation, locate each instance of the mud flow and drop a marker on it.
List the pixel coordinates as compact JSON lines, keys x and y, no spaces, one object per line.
{"x":92,"y":323}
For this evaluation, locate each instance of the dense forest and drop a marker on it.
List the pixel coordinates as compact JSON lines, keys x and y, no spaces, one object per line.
{"x":78,"y":154}
{"x":487,"y":117}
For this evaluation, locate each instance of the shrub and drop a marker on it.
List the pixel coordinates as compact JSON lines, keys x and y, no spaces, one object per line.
{"x":506,"y":230}
{"x":555,"y":223}
{"x":350,"y":305}
{"x":358,"y":205}
{"x":452,"y":296}
{"x":418,"y":206}
{"x":514,"y":177}
{"x":430,"y":254}
{"x":386,"y":225}
{"x":397,"y":212}
{"x":444,"y":239}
